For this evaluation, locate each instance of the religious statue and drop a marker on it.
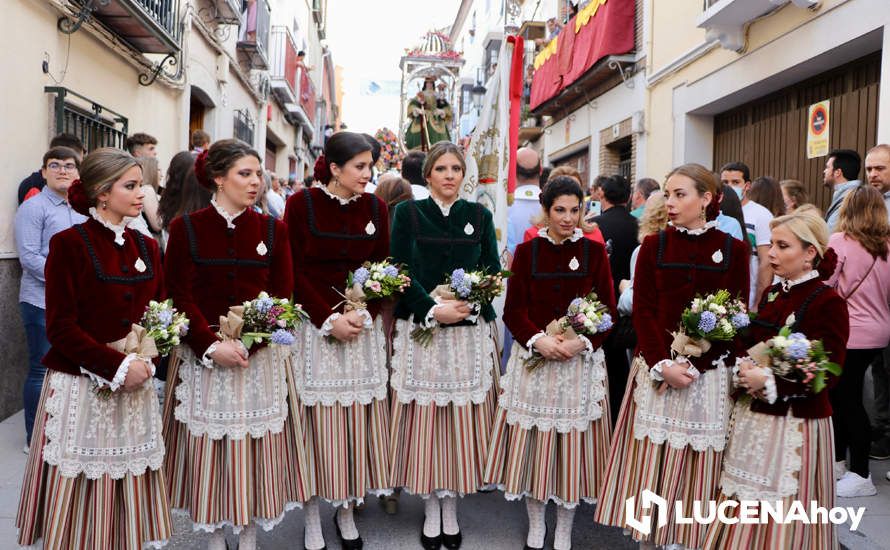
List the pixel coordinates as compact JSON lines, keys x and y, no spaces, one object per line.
{"x":429,"y":115}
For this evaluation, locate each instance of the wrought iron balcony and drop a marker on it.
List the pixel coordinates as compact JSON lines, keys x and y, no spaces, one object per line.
{"x":253,"y":36}
{"x":149,"y":26}
{"x":283,"y":65}
{"x":95,"y":125}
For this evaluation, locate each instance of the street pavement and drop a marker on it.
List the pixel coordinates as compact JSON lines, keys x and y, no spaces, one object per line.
{"x":487,"y":520}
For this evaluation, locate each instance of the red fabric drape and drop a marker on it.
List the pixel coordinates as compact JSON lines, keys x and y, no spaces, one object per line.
{"x":609,"y":32}
{"x":516,"y":80}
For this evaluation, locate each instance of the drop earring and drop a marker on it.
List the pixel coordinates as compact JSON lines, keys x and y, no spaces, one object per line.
{"x":104,"y":205}
{"x":702,"y":214}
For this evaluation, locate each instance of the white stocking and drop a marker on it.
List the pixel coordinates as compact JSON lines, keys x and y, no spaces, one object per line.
{"x":564,"y":519}
{"x":346,"y":522}
{"x":537,"y":526}
{"x":313,"y":539}
{"x":449,"y":516}
{"x":247,"y":538}
{"x":217,"y":540}
{"x":432,"y":523}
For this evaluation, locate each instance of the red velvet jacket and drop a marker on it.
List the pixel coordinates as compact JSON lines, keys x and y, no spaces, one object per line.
{"x":94,"y":294}
{"x":210,"y":267}
{"x":328,"y":240}
{"x":672,"y":268}
{"x":543,"y":284}
{"x":820,"y":315}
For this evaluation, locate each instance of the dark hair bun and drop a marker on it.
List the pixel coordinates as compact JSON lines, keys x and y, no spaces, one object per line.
{"x":827,"y":264}
{"x":201,"y":169}
{"x":322,"y":170}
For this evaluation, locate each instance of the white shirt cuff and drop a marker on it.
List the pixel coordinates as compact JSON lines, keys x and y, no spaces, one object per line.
{"x":475,"y":311}
{"x":430,"y":321}
{"x":769,"y":388}
{"x":205,"y":359}
{"x":120,"y":375}
{"x":655,"y":372}
{"x":530,"y":345}
{"x":368,"y":320}
{"x":328,"y":324}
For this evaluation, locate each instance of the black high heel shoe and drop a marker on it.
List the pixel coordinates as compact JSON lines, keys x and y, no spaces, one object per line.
{"x":430,"y":543}
{"x":347,"y":544}
{"x":452,"y":542}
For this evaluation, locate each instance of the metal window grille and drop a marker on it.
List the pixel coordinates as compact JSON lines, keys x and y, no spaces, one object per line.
{"x":95,"y":125}
{"x":244,"y":126}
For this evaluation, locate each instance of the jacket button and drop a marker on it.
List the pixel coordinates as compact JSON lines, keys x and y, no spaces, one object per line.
{"x":125,"y":269}
{"x":230,"y":232}
{"x":128,"y":296}
{"x":125,"y":322}
{"x":230,"y":275}
{"x":231,"y":252}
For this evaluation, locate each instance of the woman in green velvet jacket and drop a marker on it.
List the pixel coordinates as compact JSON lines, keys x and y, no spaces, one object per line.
{"x":445,"y":390}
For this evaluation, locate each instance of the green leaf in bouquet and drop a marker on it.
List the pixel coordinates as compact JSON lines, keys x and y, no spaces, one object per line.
{"x":819,"y":382}
{"x":247,"y":340}
{"x":785,"y":331}
{"x":834,"y":368}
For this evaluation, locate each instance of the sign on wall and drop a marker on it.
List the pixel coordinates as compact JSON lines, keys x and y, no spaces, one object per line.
{"x":818,"y":129}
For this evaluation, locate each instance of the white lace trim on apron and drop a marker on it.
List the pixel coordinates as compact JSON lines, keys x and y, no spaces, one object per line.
{"x":697,"y":415}
{"x":763,"y":457}
{"x":454,"y":368}
{"x":561,"y":395}
{"x":96,"y":435}
{"x":329,"y":372}
{"x":233,"y":401}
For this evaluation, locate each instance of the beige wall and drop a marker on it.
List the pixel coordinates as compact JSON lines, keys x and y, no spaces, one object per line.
{"x":93,"y":71}
{"x":780,"y":50}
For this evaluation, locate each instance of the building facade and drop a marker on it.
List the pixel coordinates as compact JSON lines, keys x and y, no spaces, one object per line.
{"x":105,"y":70}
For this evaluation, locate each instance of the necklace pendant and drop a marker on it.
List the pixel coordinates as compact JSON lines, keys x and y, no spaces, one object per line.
{"x":573,"y":264}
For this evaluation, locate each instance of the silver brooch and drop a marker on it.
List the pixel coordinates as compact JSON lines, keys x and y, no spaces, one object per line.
{"x":261,"y":249}
{"x":717,"y":257}
{"x":370,"y":229}
{"x":468,"y":229}
{"x":574,"y":265}
{"x":140,"y":265}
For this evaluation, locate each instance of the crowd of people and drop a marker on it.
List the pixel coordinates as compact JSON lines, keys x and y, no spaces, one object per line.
{"x":421,"y":394}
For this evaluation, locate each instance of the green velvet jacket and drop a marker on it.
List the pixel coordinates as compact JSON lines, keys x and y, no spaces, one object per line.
{"x":431,"y":246}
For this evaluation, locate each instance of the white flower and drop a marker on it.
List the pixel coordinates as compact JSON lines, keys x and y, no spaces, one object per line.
{"x":780,"y":342}
{"x":725,"y":325}
{"x":589,"y":324}
{"x":264,"y":294}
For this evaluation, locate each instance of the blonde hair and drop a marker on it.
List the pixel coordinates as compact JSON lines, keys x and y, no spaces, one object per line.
{"x":101,"y":168}
{"x":439,"y":150}
{"x":150,"y":172}
{"x":863,"y":217}
{"x":796,"y":191}
{"x":807,"y":225}
{"x":655,"y":216}
{"x":566,"y":170}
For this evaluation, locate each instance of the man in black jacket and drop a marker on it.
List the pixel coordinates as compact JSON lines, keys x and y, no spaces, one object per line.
{"x":619,"y":230}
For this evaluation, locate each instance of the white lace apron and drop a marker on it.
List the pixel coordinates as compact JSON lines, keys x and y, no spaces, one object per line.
{"x":454,"y":368}
{"x":96,"y":435}
{"x":560,"y":395}
{"x":330,"y":372}
{"x":697,"y":415}
{"x":233,"y":401}
{"x":763,"y":457}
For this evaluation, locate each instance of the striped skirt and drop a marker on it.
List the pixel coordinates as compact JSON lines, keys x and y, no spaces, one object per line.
{"x":674,"y":474}
{"x":233,"y":482}
{"x":70,"y":513}
{"x":443,"y":449}
{"x":815,"y":483}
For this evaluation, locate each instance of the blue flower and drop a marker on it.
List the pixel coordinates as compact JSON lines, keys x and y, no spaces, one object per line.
{"x":707,"y":322}
{"x":282,"y":337}
{"x":576,"y":303}
{"x":165,"y":317}
{"x":457,"y":277}
{"x":798,"y":347}
{"x":263,"y":305}
{"x":605,"y":323}
{"x":740,"y":320}
{"x":391,"y":271}
{"x":361,"y":275}
{"x":463,"y":291}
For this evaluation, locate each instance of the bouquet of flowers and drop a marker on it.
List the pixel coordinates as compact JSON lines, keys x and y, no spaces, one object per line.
{"x":263,"y":318}
{"x":476,"y":287}
{"x":157,"y":333}
{"x":715,"y":317}
{"x":379,"y":279}
{"x":390,"y":150}
{"x":586,"y":316}
{"x":164,"y":325}
{"x":793,"y":357}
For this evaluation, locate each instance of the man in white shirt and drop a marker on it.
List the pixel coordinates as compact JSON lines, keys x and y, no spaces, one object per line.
{"x":737,"y":175}
{"x":525,"y":198}
{"x":841,"y":175}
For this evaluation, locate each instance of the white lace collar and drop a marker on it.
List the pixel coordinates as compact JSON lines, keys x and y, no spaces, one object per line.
{"x":445,"y":207}
{"x":341,"y":200}
{"x":577,"y":234}
{"x":230,"y":219}
{"x":787,"y":284}
{"x":700,"y":231}
{"x":118,"y":230}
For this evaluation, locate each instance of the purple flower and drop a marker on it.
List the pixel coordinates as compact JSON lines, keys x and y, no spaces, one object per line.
{"x":798,"y":347}
{"x":391,"y":271}
{"x":605,"y":323}
{"x":576,"y":303}
{"x":263,"y":305}
{"x":361,"y":275}
{"x":707,"y":322}
{"x":165,"y":317}
{"x":740,"y":320}
{"x":282,"y":337}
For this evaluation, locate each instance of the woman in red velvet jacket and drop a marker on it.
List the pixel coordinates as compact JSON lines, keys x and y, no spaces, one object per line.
{"x":339,"y":364}
{"x":94,"y":477}
{"x":234,"y":455}
{"x":673,"y":423}
{"x":781,"y":447}
{"x":559,"y":413}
